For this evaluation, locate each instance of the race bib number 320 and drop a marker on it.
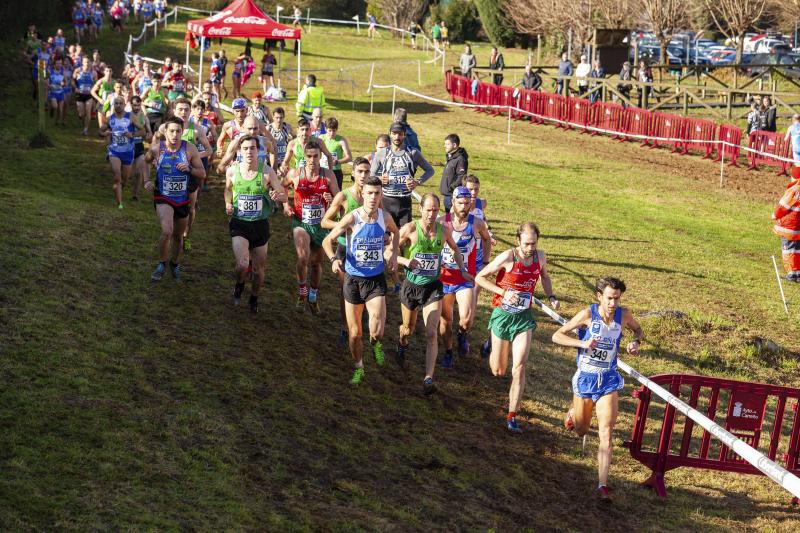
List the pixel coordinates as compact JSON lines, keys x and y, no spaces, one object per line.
{"x":174,"y":185}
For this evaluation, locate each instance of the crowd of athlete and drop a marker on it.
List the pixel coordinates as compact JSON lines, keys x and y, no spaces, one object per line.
{"x":166,"y":135}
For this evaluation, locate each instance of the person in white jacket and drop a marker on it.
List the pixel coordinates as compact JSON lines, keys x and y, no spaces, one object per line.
{"x":582,"y":73}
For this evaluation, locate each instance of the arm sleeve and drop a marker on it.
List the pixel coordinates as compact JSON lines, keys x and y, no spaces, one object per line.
{"x":420,"y":161}
{"x":377,"y":160}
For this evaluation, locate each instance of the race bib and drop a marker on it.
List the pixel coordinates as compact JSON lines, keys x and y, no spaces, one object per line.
{"x":312,"y":213}
{"x":368,"y":256}
{"x":428,"y":264}
{"x":250,"y":205}
{"x":523,"y":302}
{"x":118,"y":138}
{"x":447,"y":257}
{"x":174,"y":185}
{"x":84,"y":89}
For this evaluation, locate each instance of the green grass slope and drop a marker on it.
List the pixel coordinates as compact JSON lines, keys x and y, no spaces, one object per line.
{"x":132,"y":405}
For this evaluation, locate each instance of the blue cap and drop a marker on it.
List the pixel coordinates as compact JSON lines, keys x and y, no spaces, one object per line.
{"x":239,"y":103}
{"x":462,"y":192}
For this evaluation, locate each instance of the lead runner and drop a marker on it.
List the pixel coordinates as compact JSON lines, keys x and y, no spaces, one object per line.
{"x":512,"y":323}
{"x":597,"y":383}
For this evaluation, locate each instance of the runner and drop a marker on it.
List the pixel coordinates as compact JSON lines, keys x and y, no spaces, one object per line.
{"x":344,"y":202}
{"x":178,"y":85}
{"x":236,"y":76}
{"x":97,"y":20}
{"x":200,"y":121}
{"x":295,"y":153}
{"x":314,"y":188}
{"x":512,"y":322}
{"x":139,"y":118}
{"x":422,"y":287}
{"x":381,"y":142}
{"x":266,"y":150}
{"x":338,"y":147}
{"x":78,"y":20}
{"x":104,"y":89}
{"x":282,"y":133}
{"x":596,"y":382}
{"x":59,"y":42}
{"x":120,"y":131}
{"x":317,"y":124}
{"x":193,"y":134}
{"x":143,"y":80}
{"x":250,"y":189}
{"x":57,"y":80}
{"x":458,"y":287}
{"x":233,"y":128}
{"x":365,"y":284}
{"x":155,"y":103}
{"x":148,"y":10}
{"x":258,"y":110}
{"x":176,"y":161}
{"x":268,"y":63}
{"x":84,"y":80}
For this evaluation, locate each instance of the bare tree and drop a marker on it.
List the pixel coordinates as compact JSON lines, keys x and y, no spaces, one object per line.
{"x":734,"y":17}
{"x":664,"y":17}
{"x":401,"y":13}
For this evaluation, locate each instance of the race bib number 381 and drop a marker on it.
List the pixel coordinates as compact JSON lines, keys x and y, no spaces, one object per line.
{"x":250,"y":205}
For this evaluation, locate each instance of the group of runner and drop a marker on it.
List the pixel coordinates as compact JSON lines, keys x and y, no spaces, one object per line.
{"x":437,"y":260}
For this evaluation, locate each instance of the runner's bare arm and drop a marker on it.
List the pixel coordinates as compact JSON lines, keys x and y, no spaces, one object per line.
{"x":203,"y":138}
{"x":197,"y":170}
{"x":562,"y":335}
{"x":94,"y":92}
{"x":504,"y":260}
{"x":149,"y":157}
{"x":547,"y":283}
{"x":221,"y":141}
{"x":487,"y":238}
{"x":408,"y":237}
{"x":328,"y":220}
{"x":392,"y":228}
{"x":229,"y":178}
{"x":629,"y":321}
{"x":286,"y":158}
{"x":271,"y":179}
{"x":332,"y":181}
{"x":229,"y":156}
{"x":347,"y":155}
{"x":327,"y":244}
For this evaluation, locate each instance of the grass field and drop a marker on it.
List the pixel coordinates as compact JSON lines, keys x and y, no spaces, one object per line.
{"x":129,"y":405}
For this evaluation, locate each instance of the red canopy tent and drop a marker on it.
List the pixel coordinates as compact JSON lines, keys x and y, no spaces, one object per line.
{"x":242,"y":18}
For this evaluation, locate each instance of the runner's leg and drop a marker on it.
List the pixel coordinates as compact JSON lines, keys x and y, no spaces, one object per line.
{"x":582,"y":414}
{"x":166,"y":218}
{"x":607,"y":408}
{"x":355,"y":338}
{"x":179,"y":228}
{"x":466,"y":316}
{"x":498,"y":360}
{"x":430,"y":316}
{"x":241,"y":250}
{"x":376,"y":307}
{"x":302,"y":247}
{"x":259,"y":258}
{"x":116,"y":170}
{"x":520,"y":347}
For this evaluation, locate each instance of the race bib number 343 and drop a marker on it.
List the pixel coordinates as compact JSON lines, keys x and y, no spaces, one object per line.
{"x":368,"y":256}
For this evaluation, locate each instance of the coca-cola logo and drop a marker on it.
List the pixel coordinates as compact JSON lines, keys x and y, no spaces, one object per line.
{"x":288,"y":32}
{"x":245,"y":20}
{"x":220,"y":15}
{"x":220,"y":31}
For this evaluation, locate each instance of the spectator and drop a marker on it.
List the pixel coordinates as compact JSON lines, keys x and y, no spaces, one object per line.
{"x":467,"y":62}
{"x":412,"y":141}
{"x":597,"y":72}
{"x":793,"y":135}
{"x":436,"y":34}
{"x":625,"y":88}
{"x":645,"y":76}
{"x":455,"y":168}
{"x":311,"y":97}
{"x":372,"y":31}
{"x":413,"y":29}
{"x":582,"y":72}
{"x":531,"y":80}
{"x":769,"y":115}
{"x":496,"y":63}
{"x":445,"y":35}
{"x":753,"y":118}
{"x":565,"y":68}
{"x":787,"y":223}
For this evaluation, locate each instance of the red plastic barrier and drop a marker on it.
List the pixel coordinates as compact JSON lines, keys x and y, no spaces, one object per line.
{"x":639,"y":122}
{"x":488,"y":95}
{"x":749,"y":405}
{"x":554,"y":108}
{"x":733,"y":135}
{"x":612,"y":117}
{"x":506,"y":98}
{"x":769,"y":143}
{"x":666,"y":125}
{"x":582,"y":112}
{"x":533,"y":102}
{"x":699,"y":135}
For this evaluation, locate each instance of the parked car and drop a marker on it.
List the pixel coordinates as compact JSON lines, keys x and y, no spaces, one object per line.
{"x":755,"y":64}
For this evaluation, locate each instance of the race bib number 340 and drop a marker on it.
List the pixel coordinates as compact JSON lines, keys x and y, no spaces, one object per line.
{"x":312,"y":213}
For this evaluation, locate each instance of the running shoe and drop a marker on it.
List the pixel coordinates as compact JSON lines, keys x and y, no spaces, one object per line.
{"x":463,"y":344}
{"x":569,"y":423}
{"x":512,"y":425}
{"x":120,"y":206}
{"x":397,"y":288}
{"x":343,"y":337}
{"x":428,"y":387}
{"x":400,"y":355}
{"x":158,"y":273}
{"x":206,"y":188}
{"x":447,"y":360}
{"x":187,"y":245}
{"x":176,"y":270}
{"x":377,"y":351}
{"x":314,"y":307}
{"x":300,"y":303}
{"x":85,"y":131}
{"x":486,"y":348}
{"x":602,"y":493}
{"x":358,"y":375}
{"x":254,"y":304}
{"x":237,"y":293}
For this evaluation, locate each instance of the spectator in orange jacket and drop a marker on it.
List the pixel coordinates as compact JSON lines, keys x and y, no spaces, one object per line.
{"x":787,"y":226}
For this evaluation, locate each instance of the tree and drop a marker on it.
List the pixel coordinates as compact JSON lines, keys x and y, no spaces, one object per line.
{"x":497,"y":27}
{"x":400,"y":13}
{"x":664,"y":17}
{"x":734,"y":17}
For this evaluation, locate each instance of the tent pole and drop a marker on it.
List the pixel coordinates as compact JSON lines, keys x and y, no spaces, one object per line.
{"x":200,"y":72}
{"x":299,"y":48}
{"x":187,"y":54}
